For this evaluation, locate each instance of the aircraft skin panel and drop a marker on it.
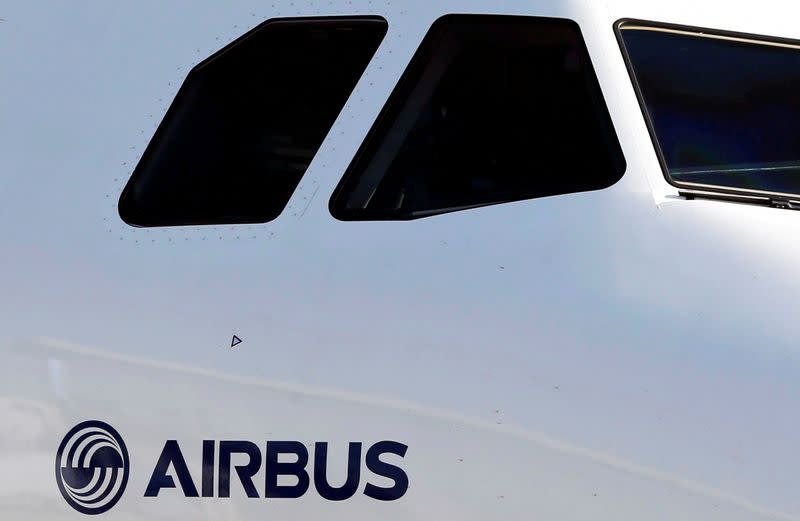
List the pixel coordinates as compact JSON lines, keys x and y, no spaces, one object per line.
{"x":616,"y":354}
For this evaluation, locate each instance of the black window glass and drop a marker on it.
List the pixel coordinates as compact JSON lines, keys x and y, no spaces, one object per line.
{"x":724,"y":109}
{"x":247,"y":122}
{"x":491,"y":109}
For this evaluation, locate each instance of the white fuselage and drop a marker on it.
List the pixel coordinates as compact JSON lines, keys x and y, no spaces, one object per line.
{"x":619,"y":354}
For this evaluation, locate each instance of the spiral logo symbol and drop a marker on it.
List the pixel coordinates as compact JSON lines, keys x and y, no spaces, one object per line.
{"x":92,"y":467}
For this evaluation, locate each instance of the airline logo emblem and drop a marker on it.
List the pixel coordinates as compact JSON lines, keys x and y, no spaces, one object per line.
{"x":92,"y":467}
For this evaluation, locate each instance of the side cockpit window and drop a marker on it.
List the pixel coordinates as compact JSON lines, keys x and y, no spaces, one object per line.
{"x":247,"y":122}
{"x":491,"y":109}
{"x":723,"y":108}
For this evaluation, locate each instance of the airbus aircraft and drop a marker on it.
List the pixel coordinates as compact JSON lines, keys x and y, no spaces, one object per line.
{"x":384,"y":259}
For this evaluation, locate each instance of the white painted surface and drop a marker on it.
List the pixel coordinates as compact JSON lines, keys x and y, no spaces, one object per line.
{"x":619,"y":355}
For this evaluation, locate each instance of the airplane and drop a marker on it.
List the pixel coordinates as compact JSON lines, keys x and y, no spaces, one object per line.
{"x":383,"y":259}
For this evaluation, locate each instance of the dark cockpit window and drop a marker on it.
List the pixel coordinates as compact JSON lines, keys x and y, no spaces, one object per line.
{"x":491,"y":109}
{"x":723,"y":108}
{"x":247,"y":122}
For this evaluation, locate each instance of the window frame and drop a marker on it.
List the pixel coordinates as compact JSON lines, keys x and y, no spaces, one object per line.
{"x":399,"y":96}
{"x":710,"y":191}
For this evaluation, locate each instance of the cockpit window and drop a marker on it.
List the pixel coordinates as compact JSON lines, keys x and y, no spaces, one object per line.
{"x":247,"y":122}
{"x":723,"y":108}
{"x":491,"y":109}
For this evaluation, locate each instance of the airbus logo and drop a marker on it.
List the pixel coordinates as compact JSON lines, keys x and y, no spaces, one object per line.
{"x":92,"y":467}
{"x":275,"y":466}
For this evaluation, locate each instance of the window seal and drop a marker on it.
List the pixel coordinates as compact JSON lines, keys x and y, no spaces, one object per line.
{"x":689,"y":189}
